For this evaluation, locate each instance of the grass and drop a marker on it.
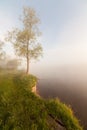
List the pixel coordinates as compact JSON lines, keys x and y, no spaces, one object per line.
{"x":64,"y":113}
{"x":20,"y":109}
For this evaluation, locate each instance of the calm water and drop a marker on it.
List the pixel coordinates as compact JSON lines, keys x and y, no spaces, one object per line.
{"x":69,"y":91}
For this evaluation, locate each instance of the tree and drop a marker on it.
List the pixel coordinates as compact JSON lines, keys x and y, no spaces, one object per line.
{"x":25,"y":39}
{"x":1,"y":51}
{"x":12,"y":64}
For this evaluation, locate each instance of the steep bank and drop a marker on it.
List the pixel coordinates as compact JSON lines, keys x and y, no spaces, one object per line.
{"x":51,"y":120}
{"x":60,"y":124}
{"x":22,"y":109}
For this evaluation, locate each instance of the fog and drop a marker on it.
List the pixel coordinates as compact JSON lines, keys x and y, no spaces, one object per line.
{"x":62,"y":71}
{"x":68,"y":83}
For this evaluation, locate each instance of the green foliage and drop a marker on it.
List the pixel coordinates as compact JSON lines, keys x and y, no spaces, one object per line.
{"x":20,"y":109}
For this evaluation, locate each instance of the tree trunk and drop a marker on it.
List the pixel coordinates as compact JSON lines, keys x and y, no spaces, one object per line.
{"x":27,"y":71}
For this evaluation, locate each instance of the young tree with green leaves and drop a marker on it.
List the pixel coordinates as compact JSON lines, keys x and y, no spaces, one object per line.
{"x":25,"y":40}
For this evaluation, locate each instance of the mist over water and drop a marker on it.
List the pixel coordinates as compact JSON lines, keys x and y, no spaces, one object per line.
{"x":69,"y":84}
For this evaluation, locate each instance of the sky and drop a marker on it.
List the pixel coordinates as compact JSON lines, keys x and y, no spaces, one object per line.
{"x":63,"y":26}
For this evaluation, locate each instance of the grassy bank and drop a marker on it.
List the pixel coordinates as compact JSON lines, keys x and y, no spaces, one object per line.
{"x":20,"y":109}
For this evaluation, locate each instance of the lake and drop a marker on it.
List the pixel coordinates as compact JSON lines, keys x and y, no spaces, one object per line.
{"x":70,"y":87}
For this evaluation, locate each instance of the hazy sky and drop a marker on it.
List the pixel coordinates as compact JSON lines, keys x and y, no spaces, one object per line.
{"x":63,"y":24}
